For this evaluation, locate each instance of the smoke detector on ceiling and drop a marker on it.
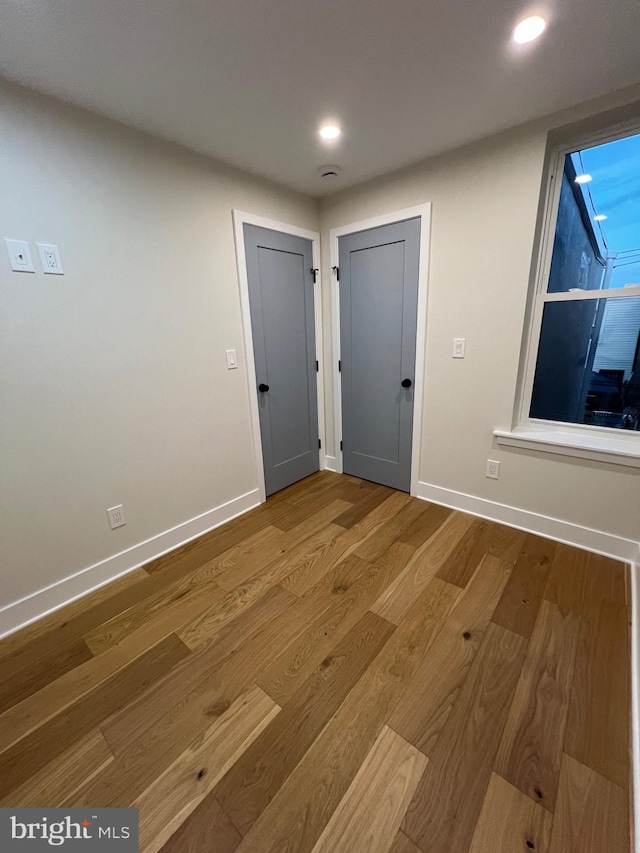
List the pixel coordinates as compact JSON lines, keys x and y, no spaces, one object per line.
{"x":329,"y":172}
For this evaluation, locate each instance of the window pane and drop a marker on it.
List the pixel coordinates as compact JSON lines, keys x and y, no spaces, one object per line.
{"x":625,"y":274}
{"x":575,"y":264}
{"x":588,"y":367}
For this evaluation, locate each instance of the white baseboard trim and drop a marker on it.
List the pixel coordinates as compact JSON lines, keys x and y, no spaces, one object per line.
{"x":627,"y":550}
{"x":635,"y":700}
{"x":330,"y":463}
{"x":20,"y":613}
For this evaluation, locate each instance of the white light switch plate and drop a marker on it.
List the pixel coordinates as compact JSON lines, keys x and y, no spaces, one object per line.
{"x":19,"y":255}
{"x":50,"y":259}
{"x":459,"y":347}
{"x":232,"y":361}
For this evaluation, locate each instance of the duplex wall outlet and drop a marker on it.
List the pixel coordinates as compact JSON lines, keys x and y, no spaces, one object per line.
{"x":50,"y":259}
{"x":19,"y":255}
{"x":493,"y":469}
{"x":116,"y":516}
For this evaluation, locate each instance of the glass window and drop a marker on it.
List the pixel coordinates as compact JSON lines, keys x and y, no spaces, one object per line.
{"x":587,"y":364}
{"x":588,"y":369}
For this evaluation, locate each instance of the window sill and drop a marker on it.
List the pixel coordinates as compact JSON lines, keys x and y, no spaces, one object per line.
{"x":598,"y":448}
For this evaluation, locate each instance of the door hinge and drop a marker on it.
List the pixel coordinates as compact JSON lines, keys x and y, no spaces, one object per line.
{"x":314,"y":273}
{"x":340,"y":445}
{"x":319,"y":442}
{"x":317,"y":367}
{"x":339,"y":367}
{"x":337,"y":272}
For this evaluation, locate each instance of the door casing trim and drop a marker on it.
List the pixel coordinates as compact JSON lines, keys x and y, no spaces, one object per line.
{"x":422,"y":211}
{"x":240,"y":218}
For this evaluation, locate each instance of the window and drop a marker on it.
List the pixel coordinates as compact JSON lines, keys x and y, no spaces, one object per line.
{"x":583,"y":367}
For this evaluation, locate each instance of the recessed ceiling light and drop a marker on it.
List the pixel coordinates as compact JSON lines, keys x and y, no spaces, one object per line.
{"x":529,"y":29}
{"x":600,"y":217}
{"x":330,"y":131}
{"x":583,"y":179}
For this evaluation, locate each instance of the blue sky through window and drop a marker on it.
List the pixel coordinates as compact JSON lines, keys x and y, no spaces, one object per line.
{"x":615,"y":193}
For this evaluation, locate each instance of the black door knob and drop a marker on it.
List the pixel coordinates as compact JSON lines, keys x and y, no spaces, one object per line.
{"x":262,"y":387}
{"x":406,"y":383}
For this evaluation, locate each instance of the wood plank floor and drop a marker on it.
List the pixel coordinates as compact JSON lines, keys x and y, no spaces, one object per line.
{"x":344,"y":668}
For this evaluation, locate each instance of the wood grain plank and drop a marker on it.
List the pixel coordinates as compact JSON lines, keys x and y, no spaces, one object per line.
{"x":369,"y":814}
{"x":285,"y":549}
{"x":308,"y":505}
{"x":358,"y":584}
{"x":160,"y":614}
{"x":363,"y":507}
{"x":518,"y":608}
{"x":257,"y":776}
{"x":402,"y":844}
{"x":592,"y":815}
{"x":85,"y":620}
{"x":605,"y":578}
{"x":309,"y":567}
{"x":430,"y":695}
{"x":148,"y":747}
{"x":300,"y":491}
{"x":206,"y":830}
{"x":77,"y":685}
{"x":530,"y":753}
{"x":376,"y":545}
{"x":21,"y":681}
{"x":296,"y":816}
{"x":61,"y":778}
{"x":444,"y":811}
{"x":426,"y":525}
{"x":565,"y":586}
{"x":194,"y":554}
{"x":245,"y":559}
{"x":395,"y":601}
{"x":128,"y":725}
{"x":510,"y":822}
{"x":309,"y":559}
{"x":598,"y":726}
{"x":209,"y":623}
{"x":49,"y":740}
{"x":463,"y":560}
{"x":176,"y":793}
{"x":36,"y":631}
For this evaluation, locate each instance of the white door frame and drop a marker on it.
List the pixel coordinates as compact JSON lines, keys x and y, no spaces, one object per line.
{"x":240,"y":217}
{"x":423,"y":211}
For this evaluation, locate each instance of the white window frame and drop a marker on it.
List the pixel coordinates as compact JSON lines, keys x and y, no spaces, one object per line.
{"x":601,"y":444}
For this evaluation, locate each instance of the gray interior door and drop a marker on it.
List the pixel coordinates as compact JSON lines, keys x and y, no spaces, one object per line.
{"x":282,"y":323}
{"x":378,"y":313}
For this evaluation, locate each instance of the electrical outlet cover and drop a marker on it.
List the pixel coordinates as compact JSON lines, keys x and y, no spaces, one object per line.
{"x":116,"y":516}
{"x":50,"y":259}
{"x":493,"y":469}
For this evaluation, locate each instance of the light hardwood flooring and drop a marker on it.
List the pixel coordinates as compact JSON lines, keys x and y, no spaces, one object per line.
{"x":344,"y":669}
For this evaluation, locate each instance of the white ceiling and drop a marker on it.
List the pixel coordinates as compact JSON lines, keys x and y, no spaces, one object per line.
{"x":249,"y":81}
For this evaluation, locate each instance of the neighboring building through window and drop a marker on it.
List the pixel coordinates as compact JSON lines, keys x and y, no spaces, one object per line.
{"x":587,"y":317}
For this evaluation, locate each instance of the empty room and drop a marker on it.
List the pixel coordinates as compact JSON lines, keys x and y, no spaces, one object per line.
{"x":319,"y":426}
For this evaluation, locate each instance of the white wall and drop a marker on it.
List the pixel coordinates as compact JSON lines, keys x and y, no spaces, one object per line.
{"x":113,"y":380}
{"x":485,"y":203}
